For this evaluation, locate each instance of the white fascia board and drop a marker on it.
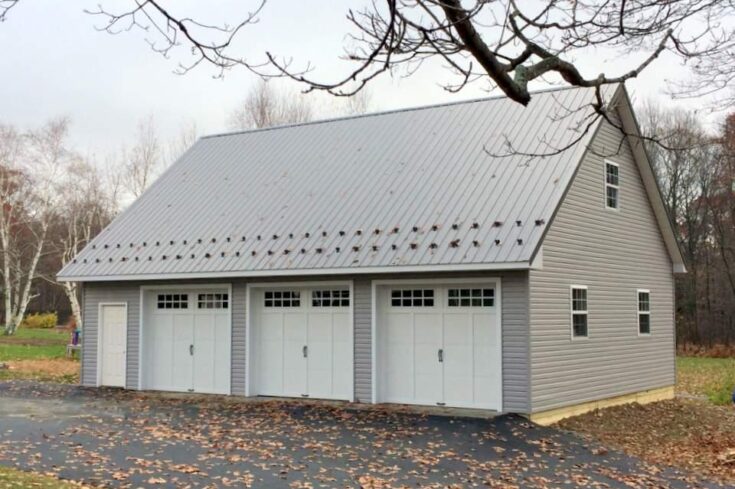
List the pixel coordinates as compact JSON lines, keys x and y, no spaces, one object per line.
{"x":298,"y":273}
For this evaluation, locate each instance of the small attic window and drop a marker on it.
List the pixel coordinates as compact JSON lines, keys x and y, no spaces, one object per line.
{"x":612,"y":185}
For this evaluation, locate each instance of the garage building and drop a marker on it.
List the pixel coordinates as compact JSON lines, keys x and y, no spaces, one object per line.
{"x":478,"y":254}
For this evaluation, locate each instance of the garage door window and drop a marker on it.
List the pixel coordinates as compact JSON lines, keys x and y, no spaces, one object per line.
{"x":173,"y":301}
{"x":213,"y":301}
{"x":282,"y":298}
{"x":471,"y":297}
{"x":330,"y":298}
{"x":412,"y":297}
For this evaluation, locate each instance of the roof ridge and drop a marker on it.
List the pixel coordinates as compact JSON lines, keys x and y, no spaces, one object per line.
{"x":382,"y":112}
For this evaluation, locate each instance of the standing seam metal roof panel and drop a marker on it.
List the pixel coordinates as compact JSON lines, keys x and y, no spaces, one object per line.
{"x":434,"y":168}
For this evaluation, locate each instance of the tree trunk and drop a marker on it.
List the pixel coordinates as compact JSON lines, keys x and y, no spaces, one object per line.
{"x":71,"y":289}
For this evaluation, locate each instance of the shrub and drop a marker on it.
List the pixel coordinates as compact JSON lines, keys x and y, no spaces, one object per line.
{"x":44,"y":320}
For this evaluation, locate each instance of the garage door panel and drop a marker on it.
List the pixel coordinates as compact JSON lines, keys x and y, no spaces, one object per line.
{"x":399,"y":329}
{"x":461,"y":323}
{"x":187,"y":341}
{"x":159,"y":352}
{"x":294,"y":362}
{"x":428,"y":329}
{"x":313,"y":348}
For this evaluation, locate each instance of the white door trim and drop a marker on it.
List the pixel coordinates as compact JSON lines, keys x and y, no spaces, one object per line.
{"x":496,"y":281}
{"x":100,"y":329}
{"x":249,"y":333}
{"x":142,"y":311}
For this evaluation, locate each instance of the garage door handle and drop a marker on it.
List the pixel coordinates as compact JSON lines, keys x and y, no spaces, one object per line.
{"x":305,"y":351}
{"x":441,"y":355}
{"x":191,"y":350}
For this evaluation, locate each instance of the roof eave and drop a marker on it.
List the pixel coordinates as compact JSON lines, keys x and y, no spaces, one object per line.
{"x":472,"y":267}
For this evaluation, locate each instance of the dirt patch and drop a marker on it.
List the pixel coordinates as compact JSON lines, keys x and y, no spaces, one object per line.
{"x":690,"y":434}
{"x":47,"y":366}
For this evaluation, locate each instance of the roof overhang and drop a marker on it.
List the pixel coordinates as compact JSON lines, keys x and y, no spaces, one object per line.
{"x":301,"y":272}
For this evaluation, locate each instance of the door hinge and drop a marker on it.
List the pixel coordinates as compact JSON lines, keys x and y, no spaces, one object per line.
{"x":305,"y":351}
{"x":191,"y":350}
{"x":440,"y":353}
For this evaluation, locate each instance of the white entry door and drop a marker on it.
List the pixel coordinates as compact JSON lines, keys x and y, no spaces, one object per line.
{"x":440,"y":345}
{"x":186,"y":341}
{"x":302,"y":342}
{"x":113,"y":329}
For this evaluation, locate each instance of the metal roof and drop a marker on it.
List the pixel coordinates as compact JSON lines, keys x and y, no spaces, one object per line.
{"x":388,"y":191}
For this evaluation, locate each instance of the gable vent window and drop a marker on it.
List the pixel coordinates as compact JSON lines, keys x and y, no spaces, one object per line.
{"x":644,"y":312}
{"x":471,"y":298}
{"x":330,"y":298}
{"x":579,"y":311}
{"x":173,"y":301}
{"x":282,"y":298}
{"x":612,"y":185}
{"x":412,"y":297}
{"x":213,"y":301}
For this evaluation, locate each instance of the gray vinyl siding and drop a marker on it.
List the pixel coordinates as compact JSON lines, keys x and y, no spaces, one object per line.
{"x":239,"y":338}
{"x":613,"y":253}
{"x":363,"y":340}
{"x":514,"y":323}
{"x":94,"y":295}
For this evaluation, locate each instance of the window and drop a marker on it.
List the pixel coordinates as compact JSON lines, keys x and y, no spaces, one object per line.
{"x":173,"y":301}
{"x":579,"y":311}
{"x":330,"y":298}
{"x":644,"y":312}
{"x":471,"y":298}
{"x":213,"y":301}
{"x":612,"y":185}
{"x":412,"y":297}
{"x":282,"y":298}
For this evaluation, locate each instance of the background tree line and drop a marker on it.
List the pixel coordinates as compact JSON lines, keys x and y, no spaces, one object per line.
{"x":697,"y":179}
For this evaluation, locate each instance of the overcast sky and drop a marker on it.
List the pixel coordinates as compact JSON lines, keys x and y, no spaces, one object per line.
{"x":55,"y":63}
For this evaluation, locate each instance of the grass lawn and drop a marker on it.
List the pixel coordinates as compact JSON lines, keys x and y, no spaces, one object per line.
{"x":33,"y":343}
{"x":37,"y":354}
{"x":694,"y":432}
{"x":16,"y":479}
{"x":710,"y":377}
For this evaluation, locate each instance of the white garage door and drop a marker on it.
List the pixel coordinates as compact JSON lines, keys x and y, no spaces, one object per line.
{"x":440,"y":345}
{"x":302,"y":345}
{"x":186,"y":341}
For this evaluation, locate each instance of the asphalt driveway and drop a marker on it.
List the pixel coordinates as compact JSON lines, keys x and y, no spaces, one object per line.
{"x":126,"y":439}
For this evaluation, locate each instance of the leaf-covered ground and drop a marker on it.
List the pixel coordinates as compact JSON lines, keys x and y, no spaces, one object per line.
{"x":128,"y":439}
{"x":688,"y":433}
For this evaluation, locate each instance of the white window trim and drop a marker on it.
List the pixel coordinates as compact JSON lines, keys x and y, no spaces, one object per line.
{"x":572,"y":312}
{"x":606,"y":185}
{"x":639,"y":312}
